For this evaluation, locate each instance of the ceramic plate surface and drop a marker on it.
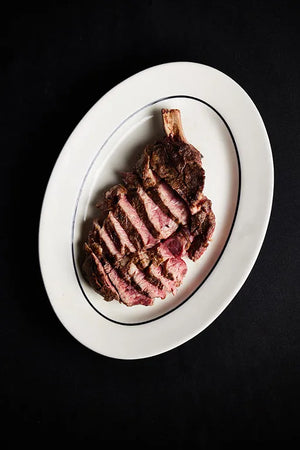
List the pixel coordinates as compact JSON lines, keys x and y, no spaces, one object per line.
{"x":222,"y":122}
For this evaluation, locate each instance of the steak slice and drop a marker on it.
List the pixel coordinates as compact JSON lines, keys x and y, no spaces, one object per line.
{"x":96,"y":276}
{"x":106,"y":239}
{"x":97,"y":244}
{"x":126,"y":245}
{"x":202,"y":227}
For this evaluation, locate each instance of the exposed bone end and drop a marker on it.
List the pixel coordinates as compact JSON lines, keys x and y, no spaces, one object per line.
{"x":172,"y":124}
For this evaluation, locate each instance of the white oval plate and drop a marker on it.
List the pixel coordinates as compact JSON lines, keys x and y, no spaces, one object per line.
{"x":221,"y":121}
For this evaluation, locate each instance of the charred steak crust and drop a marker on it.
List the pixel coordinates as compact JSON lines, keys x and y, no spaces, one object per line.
{"x":158,"y":216}
{"x":180,"y":166}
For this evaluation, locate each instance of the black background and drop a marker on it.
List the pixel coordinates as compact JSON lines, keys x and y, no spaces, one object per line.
{"x":237,"y":380}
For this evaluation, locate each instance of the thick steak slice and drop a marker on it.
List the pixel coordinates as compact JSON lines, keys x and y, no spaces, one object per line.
{"x":111,"y":231}
{"x":105,"y":237}
{"x":96,"y":276}
{"x":125,"y":245}
{"x":202,"y":227}
{"x":95,"y":240}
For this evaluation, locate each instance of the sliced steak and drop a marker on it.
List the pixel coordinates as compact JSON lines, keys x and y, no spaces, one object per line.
{"x":116,"y":200}
{"x":133,"y":181}
{"x":131,"y":230}
{"x":138,"y":204}
{"x":168,"y":284}
{"x":147,"y":238}
{"x":96,"y":276}
{"x":126,"y":245}
{"x":127,"y":293}
{"x":109,"y":243}
{"x":163,"y":224}
{"x":177,"y":207}
{"x":125,"y":278}
{"x":151,"y":223}
{"x":146,"y":283}
{"x":151,"y":209}
{"x":155,"y":270}
{"x":111,"y":282}
{"x":107,"y":247}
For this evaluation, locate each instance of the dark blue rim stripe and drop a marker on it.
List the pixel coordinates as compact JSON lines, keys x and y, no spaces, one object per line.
{"x":81,"y":188}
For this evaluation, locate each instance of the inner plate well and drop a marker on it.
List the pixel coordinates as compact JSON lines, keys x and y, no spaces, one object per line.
{"x":205,"y":128}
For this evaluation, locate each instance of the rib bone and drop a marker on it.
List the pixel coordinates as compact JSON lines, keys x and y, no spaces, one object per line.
{"x":172,"y":124}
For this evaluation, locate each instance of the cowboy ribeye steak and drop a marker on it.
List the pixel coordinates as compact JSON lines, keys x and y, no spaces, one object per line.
{"x":154,"y":219}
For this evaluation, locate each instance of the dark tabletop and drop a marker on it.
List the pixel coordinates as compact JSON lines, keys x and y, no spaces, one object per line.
{"x":238,"y":379}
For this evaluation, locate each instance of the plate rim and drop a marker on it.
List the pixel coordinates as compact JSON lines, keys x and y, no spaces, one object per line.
{"x":264,"y":225}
